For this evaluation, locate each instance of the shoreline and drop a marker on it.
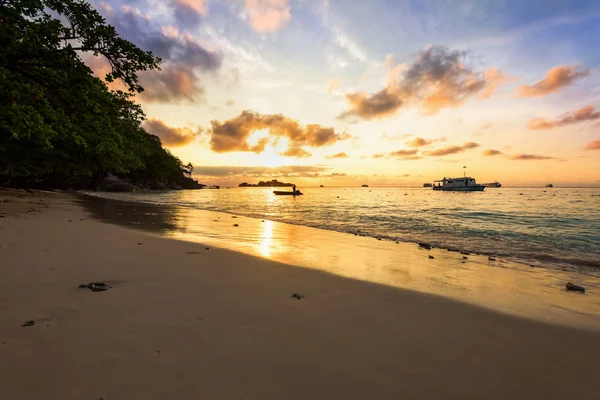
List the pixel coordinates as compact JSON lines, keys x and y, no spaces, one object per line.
{"x":499,"y":285}
{"x":184,"y":322}
{"x":544,"y":260}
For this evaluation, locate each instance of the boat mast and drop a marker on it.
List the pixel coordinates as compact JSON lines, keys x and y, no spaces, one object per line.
{"x":465,"y":171}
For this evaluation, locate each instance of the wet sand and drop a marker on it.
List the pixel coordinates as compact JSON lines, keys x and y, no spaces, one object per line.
{"x":183,"y":322}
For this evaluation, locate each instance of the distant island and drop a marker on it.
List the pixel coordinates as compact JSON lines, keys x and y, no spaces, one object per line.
{"x":272,"y":183}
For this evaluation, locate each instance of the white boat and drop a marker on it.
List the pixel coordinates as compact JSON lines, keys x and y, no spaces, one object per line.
{"x":462,"y":184}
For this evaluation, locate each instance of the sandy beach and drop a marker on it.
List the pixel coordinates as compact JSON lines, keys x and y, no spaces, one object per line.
{"x":181,"y":321}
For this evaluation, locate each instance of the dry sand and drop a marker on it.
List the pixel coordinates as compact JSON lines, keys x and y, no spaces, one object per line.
{"x":183,"y":322}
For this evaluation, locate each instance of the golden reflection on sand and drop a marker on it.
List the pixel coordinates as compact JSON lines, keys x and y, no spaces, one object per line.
{"x":508,"y":287}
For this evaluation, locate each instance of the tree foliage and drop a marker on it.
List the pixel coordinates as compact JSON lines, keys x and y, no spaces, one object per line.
{"x":59,"y":124}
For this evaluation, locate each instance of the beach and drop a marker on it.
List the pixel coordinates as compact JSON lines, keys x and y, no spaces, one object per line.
{"x":188,"y":318}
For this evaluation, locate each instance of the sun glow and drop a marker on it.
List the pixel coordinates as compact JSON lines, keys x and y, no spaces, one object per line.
{"x":271,"y":155}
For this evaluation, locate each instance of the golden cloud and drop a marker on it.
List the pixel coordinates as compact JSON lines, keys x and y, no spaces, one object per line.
{"x":419,"y":142}
{"x":557,"y":78}
{"x":527,"y":157}
{"x":445,"y":151}
{"x":233,"y":134}
{"x":170,"y":137}
{"x":403,"y":153}
{"x":491,"y":152}
{"x":338,"y":155}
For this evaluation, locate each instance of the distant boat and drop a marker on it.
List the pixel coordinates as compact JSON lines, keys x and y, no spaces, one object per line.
{"x":462,"y":184}
{"x":321,"y":186}
{"x":286,"y":193}
{"x":365,"y":185}
{"x":427,"y":185}
{"x":495,"y":184}
{"x":549,"y":185}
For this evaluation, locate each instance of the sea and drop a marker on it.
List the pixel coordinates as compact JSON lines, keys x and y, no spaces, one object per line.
{"x":542,"y":227}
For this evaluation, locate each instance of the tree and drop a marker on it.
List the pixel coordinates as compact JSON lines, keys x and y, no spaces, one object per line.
{"x":59,"y":124}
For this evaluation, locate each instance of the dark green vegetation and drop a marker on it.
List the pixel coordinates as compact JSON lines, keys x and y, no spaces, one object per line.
{"x":60,"y":126}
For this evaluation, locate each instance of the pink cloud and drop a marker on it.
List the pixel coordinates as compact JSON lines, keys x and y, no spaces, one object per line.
{"x":557,"y":78}
{"x":587,"y":113}
{"x":268,"y":15}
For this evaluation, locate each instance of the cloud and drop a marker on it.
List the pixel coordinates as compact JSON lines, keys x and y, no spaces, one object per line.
{"x":378,"y":155}
{"x":338,"y":155}
{"x":189,"y":11}
{"x":526,"y":157}
{"x":438,"y":78}
{"x":595,"y":145}
{"x":182,"y":55}
{"x":175,"y":83}
{"x":452,"y":149}
{"x":419,"y":142}
{"x":495,"y":79}
{"x":289,"y":170}
{"x":587,"y":113}
{"x":170,"y":137}
{"x":232,"y":135}
{"x":268,"y":15}
{"x":334,"y":84}
{"x":491,"y":152}
{"x":557,"y":78}
{"x":402,"y":153}
{"x":183,"y":49}
{"x":381,"y":104}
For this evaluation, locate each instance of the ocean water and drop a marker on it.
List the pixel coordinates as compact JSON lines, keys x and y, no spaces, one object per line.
{"x":545,"y":227}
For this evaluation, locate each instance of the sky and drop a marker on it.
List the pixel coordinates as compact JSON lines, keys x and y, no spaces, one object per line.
{"x":378,"y":92}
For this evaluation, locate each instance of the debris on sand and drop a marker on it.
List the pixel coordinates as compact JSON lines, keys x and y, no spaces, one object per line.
{"x":574,"y":287}
{"x":425,"y":245}
{"x":193,"y":252}
{"x":297,"y":296}
{"x":95,"y":286}
{"x":28,"y":323}
{"x":431,"y":257}
{"x":491,"y":259}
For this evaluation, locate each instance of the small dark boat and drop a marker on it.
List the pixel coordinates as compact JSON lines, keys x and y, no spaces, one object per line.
{"x":286,"y":193}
